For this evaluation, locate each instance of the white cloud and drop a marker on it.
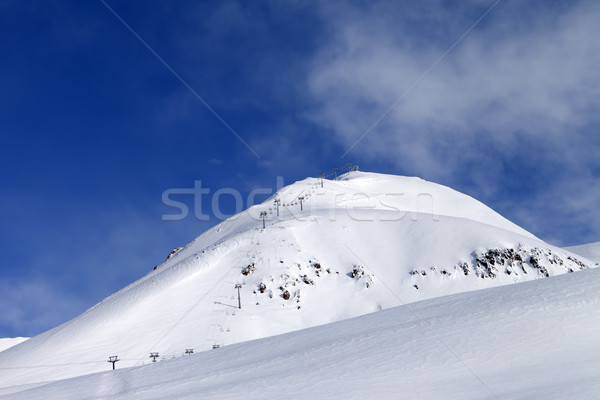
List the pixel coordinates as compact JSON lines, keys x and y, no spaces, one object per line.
{"x":503,"y":84}
{"x":518,"y":96}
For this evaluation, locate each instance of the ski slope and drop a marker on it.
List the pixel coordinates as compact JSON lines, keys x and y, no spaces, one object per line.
{"x":360,"y":244}
{"x":536,"y":340}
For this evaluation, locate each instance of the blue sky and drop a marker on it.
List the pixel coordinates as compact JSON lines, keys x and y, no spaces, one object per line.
{"x":95,"y":127}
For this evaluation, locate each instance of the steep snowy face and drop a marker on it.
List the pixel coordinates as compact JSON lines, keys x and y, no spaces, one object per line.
{"x":330,"y":250}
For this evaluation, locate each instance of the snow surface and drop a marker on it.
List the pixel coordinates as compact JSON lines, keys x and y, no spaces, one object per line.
{"x":363,"y":243}
{"x":591,"y":251}
{"x":6,"y":343}
{"x":536,"y":340}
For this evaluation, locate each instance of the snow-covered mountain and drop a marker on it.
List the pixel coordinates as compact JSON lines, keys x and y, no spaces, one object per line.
{"x":536,"y":340}
{"x":360,"y":244}
{"x":6,"y":343}
{"x":591,"y":251}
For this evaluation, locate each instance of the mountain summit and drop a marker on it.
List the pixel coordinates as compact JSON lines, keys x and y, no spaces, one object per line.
{"x":330,"y":250}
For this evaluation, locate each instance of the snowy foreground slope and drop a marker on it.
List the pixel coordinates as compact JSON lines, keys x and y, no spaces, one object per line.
{"x":359,"y":244}
{"x":536,"y":340}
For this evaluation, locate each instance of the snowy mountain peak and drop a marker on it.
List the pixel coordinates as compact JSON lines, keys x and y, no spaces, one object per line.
{"x":384,"y":197}
{"x":330,"y":250}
